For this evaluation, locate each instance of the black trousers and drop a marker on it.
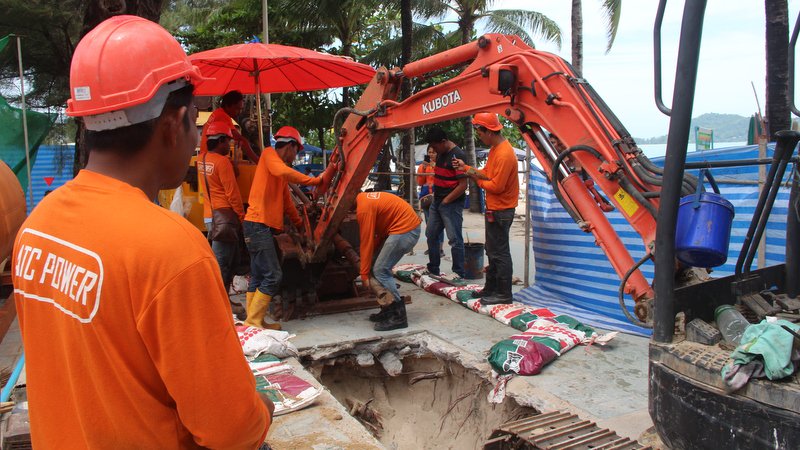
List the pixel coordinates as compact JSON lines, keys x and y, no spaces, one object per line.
{"x":501,"y":267}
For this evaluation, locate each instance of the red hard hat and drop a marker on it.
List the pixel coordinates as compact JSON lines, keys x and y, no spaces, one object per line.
{"x":122,"y":63}
{"x":217,"y":127}
{"x":488,"y":121}
{"x":289,"y":132}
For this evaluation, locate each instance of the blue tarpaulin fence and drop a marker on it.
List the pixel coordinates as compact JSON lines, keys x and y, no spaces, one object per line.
{"x":573,"y":275}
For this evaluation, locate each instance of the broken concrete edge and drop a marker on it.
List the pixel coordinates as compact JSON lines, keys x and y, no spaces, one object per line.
{"x":418,"y":343}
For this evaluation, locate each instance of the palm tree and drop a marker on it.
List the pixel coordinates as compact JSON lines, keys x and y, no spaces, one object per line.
{"x":508,"y":21}
{"x":612,"y":10}
{"x":777,"y":31}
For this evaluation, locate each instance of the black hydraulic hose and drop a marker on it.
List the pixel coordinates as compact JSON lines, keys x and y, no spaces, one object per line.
{"x":555,"y":176}
{"x":650,"y":178}
{"x":688,"y":178}
{"x":621,"y":293}
{"x":784,"y":148}
{"x":336,"y":116}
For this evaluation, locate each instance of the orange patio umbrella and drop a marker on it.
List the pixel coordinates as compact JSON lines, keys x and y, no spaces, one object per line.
{"x":257,"y":68}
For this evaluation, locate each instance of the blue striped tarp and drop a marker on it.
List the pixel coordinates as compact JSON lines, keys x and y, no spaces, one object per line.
{"x":54,"y":165}
{"x":573,"y":275}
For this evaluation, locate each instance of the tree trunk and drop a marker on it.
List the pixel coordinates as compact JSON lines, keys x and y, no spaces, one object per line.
{"x":777,"y":33}
{"x":577,"y":37}
{"x":96,"y":12}
{"x":384,"y":182}
{"x":407,"y":144}
{"x":469,"y":139}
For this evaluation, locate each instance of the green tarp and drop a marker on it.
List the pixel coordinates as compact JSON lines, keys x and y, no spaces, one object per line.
{"x":12,"y":140}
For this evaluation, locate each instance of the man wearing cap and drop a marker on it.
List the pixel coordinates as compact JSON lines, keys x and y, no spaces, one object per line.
{"x":126,"y":324}
{"x":230,"y":106}
{"x":269,"y":201}
{"x":499,"y":180}
{"x":221,"y":191}
{"x":447,"y":209}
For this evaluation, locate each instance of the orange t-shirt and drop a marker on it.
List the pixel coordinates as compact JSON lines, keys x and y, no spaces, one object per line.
{"x":269,"y":193}
{"x":425,"y":179}
{"x":380,"y":214}
{"x":218,"y":115}
{"x":502,"y":187}
{"x":127,"y":327}
{"x":224,"y":192}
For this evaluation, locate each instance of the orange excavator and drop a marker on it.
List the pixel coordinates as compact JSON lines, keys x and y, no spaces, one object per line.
{"x":540,"y":93}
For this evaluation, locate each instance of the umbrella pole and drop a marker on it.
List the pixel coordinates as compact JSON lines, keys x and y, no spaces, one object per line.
{"x":258,"y":108}
{"x":25,"y":121}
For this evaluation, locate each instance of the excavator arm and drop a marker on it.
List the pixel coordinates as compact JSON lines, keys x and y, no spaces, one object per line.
{"x":535,"y":90}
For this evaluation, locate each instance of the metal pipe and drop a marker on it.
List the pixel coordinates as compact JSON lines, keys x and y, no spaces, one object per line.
{"x":677,"y":142}
{"x":24,"y":121}
{"x":662,"y":5}
{"x":792,"y":46}
{"x":733,"y":163}
{"x":526,"y":277}
{"x":549,"y":150}
{"x":793,"y":239}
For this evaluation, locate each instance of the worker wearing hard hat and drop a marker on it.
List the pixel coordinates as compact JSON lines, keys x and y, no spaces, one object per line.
{"x":222,"y":195}
{"x":269,"y":201}
{"x":499,"y":180}
{"x":390,"y":226}
{"x":230,"y":106}
{"x":125,"y":321}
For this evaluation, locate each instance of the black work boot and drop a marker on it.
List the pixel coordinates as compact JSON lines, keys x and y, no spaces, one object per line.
{"x":497,"y":299}
{"x":487,"y":291}
{"x":395,"y":318}
{"x":380,"y":315}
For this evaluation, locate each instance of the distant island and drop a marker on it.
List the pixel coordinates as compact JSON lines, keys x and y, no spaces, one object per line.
{"x":727,"y":128}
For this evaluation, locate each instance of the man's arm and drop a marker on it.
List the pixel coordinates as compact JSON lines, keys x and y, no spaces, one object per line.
{"x":246,"y":148}
{"x":366,"y":227}
{"x":475,"y":174}
{"x":278,"y":168}
{"x":456,"y":192}
{"x":504,"y":168}
{"x":231,"y":187}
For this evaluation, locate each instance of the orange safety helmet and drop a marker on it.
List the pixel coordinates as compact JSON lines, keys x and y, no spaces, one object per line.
{"x":488,"y":121}
{"x":216,"y":128}
{"x":122,"y":64}
{"x":287,"y":132}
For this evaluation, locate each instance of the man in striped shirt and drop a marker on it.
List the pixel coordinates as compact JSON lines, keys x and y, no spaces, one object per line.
{"x":447,"y":209}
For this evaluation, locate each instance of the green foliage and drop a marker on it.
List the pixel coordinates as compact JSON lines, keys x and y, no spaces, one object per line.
{"x":50,"y":31}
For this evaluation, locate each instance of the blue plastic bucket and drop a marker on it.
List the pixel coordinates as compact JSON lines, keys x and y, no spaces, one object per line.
{"x":473,"y":260}
{"x":703,"y":231}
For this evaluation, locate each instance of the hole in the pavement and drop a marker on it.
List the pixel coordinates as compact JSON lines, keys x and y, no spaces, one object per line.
{"x":430,"y":403}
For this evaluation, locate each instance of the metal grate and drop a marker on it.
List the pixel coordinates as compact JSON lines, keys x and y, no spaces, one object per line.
{"x":557,"y":430}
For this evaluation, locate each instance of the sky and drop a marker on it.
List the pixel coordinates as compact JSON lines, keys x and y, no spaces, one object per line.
{"x":732,"y":56}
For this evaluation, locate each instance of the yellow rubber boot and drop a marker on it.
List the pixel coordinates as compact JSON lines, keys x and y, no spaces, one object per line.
{"x":248,"y":301}
{"x":257,"y":309}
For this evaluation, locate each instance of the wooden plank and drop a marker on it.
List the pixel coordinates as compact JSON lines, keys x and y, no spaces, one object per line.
{"x":348,"y":304}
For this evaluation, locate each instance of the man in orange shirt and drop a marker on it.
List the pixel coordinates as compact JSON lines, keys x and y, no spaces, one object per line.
{"x":127,"y":328}
{"x":230,"y":106}
{"x":387,"y":222}
{"x":221,"y":191}
{"x":499,"y":180}
{"x":269,"y":201}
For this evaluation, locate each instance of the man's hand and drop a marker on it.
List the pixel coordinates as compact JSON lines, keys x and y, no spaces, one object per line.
{"x":268,"y":403}
{"x":459,"y":164}
{"x":365,"y":282}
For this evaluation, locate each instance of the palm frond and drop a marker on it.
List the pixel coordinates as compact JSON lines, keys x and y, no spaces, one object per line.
{"x":429,"y":9}
{"x":525,"y":24}
{"x":613,"y":11}
{"x":426,"y":38}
